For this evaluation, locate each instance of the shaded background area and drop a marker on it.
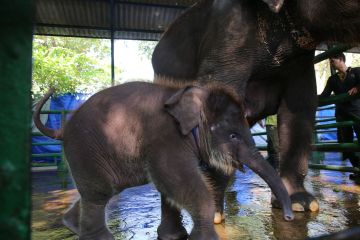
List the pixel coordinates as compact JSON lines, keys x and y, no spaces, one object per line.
{"x":135,"y":213}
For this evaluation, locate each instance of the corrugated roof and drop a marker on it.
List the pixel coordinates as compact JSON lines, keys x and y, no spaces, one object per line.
{"x":130,"y":19}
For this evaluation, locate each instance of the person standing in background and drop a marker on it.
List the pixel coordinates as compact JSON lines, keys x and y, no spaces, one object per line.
{"x":345,"y":80}
{"x":273,"y":146}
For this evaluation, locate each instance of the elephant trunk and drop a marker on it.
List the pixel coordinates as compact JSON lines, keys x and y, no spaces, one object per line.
{"x":254,"y":160}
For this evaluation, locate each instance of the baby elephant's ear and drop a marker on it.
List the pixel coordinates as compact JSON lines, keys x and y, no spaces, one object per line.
{"x":274,"y":5}
{"x":185,"y":106}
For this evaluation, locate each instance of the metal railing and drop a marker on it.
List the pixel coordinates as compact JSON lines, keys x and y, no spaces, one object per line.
{"x":329,"y":146}
{"x":59,"y":165}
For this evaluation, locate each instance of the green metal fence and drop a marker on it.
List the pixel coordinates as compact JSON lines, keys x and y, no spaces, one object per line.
{"x":320,"y":127}
{"x":329,"y":146}
{"x":57,"y":165}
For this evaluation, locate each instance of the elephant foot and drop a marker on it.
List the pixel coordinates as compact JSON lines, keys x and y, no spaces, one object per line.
{"x":219,"y":217}
{"x":71,"y":218}
{"x":210,"y":235}
{"x":74,"y":227}
{"x":171,"y":233}
{"x":102,"y":235}
{"x":301,"y":202}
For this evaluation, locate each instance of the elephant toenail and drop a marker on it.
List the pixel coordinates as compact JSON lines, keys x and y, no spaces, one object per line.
{"x":217,"y":218}
{"x":297,"y":207}
{"x":314,"y":206}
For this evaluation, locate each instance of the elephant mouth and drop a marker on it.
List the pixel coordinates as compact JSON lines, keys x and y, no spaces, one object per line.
{"x":239,"y":166}
{"x":224,"y":162}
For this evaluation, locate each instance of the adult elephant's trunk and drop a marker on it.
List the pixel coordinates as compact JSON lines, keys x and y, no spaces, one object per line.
{"x":251,"y":157}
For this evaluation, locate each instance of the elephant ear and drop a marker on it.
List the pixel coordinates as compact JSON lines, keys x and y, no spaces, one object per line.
{"x":274,"y":5}
{"x":176,"y":53}
{"x":185,"y":106}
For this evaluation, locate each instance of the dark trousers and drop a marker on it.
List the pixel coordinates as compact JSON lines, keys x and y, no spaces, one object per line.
{"x":273,"y":146}
{"x":346,"y":135}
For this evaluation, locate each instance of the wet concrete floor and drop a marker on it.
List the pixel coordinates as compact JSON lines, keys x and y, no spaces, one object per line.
{"x":135,"y":213}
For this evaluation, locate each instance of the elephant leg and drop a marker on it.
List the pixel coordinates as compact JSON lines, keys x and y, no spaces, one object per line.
{"x":201,"y":208}
{"x":92,"y":221}
{"x":296,"y":121}
{"x":72,"y":217}
{"x":219,"y":182}
{"x":185,"y":187}
{"x":171,"y":227}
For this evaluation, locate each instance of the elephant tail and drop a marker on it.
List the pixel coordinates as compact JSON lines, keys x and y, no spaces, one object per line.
{"x":53,"y":133}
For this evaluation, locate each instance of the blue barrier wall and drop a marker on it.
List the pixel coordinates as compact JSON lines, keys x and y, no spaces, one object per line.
{"x":73,"y":101}
{"x":61,"y":102}
{"x":323,"y":114}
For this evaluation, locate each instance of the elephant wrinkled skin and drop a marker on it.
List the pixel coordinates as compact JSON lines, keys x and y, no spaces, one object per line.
{"x":139,"y":132}
{"x":266,"y":55}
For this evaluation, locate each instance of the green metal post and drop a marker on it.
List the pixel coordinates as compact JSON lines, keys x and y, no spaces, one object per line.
{"x":63,"y":170}
{"x":16,"y":18}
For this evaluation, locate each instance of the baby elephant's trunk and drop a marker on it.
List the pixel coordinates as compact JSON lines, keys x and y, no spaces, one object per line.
{"x":260,"y":166}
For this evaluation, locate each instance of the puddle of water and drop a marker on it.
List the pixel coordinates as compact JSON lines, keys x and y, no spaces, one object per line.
{"x":135,"y":214}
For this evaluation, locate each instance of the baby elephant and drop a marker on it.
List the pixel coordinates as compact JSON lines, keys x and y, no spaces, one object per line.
{"x":138,"y":132}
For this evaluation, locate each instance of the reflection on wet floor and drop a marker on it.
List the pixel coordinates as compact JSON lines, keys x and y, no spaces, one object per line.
{"x":135,"y":214}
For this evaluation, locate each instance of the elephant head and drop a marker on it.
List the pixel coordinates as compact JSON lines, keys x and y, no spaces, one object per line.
{"x":224,"y":139}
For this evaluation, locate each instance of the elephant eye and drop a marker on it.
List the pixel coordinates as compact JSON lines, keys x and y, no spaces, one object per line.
{"x":234,"y":136}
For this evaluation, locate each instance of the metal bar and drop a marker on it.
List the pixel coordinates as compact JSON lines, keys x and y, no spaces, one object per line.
{"x":325,"y":108}
{"x":326,"y":131}
{"x":43,"y":164}
{"x":46,"y":143}
{"x":112,"y":25}
{"x":337,"y":99}
{"x":327,"y":147}
{"x":56,"y":111}
{"x":325,"y":120}
{"x":337,"y":49}
{"x":153,"y":5}
{"x":334,"y":125}
{"x":261,"y":147}
{"x":336,"y":147}
{"x":334,"y":168}
{"x":96,"y":28}
{"x":39,"y":155}
{"x":101,"y":37}
{"x":329,"y":141}
{"x":258,"y":133}
{"x":37,"y":134}
{"x":63,"y":166}
{"x":44,"y":168}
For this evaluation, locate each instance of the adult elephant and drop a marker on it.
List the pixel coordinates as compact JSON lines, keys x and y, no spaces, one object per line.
{"x":267,"y":56}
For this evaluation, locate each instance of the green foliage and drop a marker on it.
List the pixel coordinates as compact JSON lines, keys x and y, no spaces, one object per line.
{"x":70,"y":64}
{"x":322,"y":70}
{"x":355,"y":60}
{"x":146,"y":48}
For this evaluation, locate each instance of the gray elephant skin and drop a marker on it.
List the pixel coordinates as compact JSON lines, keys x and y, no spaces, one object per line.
{"x":139,"y":132}
{"x":263,"y":50}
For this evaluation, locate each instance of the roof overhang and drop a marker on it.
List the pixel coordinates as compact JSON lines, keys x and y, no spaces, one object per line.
{"x":120,"y":19}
